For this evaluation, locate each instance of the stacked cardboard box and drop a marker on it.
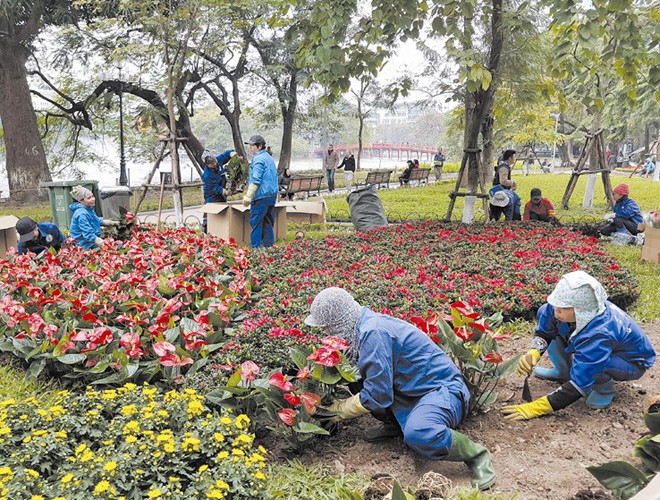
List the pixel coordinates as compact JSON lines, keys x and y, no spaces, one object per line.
{"x":8,"y":235}
{"x":651,"y":248}
{"x":232,"y":220}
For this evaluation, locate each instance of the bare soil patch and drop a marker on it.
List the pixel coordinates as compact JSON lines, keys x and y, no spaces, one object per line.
{"x":543,"y":458}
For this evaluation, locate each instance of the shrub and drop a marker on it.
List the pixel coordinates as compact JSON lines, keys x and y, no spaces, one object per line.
{"x":132,"y":442}
{"x":146,"y":309}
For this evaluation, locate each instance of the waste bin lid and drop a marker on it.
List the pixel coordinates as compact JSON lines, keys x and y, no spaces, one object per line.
{"x":66,"y":183}
{"x":114,"y":189}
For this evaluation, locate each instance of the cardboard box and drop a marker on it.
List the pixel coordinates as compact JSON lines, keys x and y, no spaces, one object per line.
{"x":651,"y":248}
{"x":232,"y":220}
{"x":304,"y":212}
{"x":8,"y":234}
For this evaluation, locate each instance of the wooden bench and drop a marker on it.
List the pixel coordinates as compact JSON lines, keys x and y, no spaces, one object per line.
{"x":377,"y":178}
{"x":304,"y":184}
{"x":417,"y":174}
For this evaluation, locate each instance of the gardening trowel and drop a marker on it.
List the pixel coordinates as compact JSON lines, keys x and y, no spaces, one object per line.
{"x":527,"y":394}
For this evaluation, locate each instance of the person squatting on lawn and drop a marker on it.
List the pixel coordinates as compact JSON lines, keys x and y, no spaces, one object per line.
{"x":591,"y":342}
{"x":408,"y":383}
{"x":261,"y":194}
{"x":626,"y":214}
{"x":38,"y":238}
{"x":85,"y":227}
{"x":539,"y":208}
{"x":504,"y":201}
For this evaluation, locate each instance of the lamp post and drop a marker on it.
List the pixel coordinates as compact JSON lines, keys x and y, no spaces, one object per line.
{"x":123,"y":178}
{"x":554,"y":140}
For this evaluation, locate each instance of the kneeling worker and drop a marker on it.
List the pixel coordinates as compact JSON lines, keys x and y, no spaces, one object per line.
{"x":409,"y":383}
{"x":37,"y":238}
{"x":591,"y":342}
{"x":538,"y":208}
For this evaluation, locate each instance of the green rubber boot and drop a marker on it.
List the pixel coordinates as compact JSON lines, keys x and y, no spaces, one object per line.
{"x":475,"y":456}
{"x":382,"y":432}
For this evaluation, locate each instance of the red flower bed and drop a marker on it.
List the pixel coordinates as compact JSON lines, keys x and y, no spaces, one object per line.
{"x":139,"y":309}
{"x":413,"y":269}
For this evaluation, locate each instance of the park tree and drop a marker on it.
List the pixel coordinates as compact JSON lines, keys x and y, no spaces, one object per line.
{"x":21,"y":21}
{"x":600,"y":46}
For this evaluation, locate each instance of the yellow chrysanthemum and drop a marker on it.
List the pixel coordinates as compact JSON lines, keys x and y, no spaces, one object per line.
{"x":32,"y":472}
{"x":128,"y":410}
{"x":110,"y":466}
{"x":242,"y":421}
{"x":67,"y":478}
{"x":154,"y":494}
{"x":101,"y":487}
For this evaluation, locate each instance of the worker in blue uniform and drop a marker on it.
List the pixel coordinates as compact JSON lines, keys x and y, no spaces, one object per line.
{"x":405,"y":376}
{"x":592,"y":344}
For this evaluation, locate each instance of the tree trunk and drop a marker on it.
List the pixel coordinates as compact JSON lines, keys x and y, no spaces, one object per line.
{"x":27,"y":165}
{"x":360,"y":130}
{"x":288,"y":118}
{"x":488,"y":154}
{"x":588,"y":200}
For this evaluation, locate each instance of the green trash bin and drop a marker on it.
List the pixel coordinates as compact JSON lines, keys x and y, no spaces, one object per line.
{"x":59,"y":194}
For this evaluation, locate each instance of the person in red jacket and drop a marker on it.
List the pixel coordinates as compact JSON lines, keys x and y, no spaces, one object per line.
{"x":538,"y":208}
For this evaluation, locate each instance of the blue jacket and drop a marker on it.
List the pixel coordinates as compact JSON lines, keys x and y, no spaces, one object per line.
{"x":401,"y":368}
{"x":612,"y":333}
{"x":214,"y":180}
{"x":628,"y":209}
{"x":263,"y":172}
{"x":49,"y":236}
{"x":85,"y":225}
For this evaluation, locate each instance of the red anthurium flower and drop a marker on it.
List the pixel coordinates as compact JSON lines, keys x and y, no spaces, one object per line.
{"x":336,"y":343}
{"x":463,"y":333}
{"x":325,"y":356}
{"x":162,"y":348}
{"x":248,"y":370}
{"x":493,"y":357}
{"x":130,"y":340}
{"x":90,"y":318}
{"x":464,"y":310}
{"x":280,"y":381}
{"x":172,"y":359}
{"x":478,"y":326}
{"x":292,"y":399}
{"x":501,"y":337}
{"x":304,"y":373}
{"x":288,"y":416}
{"x":311,"y":401}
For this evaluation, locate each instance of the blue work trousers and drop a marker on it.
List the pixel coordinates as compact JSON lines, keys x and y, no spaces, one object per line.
{"x":428,"y":427}
{"x":262,"y":219}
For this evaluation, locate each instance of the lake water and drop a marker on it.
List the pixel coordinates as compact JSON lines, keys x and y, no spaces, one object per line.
{"x":138,"y":172}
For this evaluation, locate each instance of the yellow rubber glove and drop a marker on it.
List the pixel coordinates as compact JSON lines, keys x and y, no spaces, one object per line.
{"x":527,"y":362}
{"x":347,"y":408}
{"x":529,"y":410}
{"x":247,"y":199}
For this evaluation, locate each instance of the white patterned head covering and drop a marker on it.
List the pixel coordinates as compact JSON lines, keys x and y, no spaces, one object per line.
{"x":79,"y":193}
{"x":583,"y":293}
{"x":336,"y":311}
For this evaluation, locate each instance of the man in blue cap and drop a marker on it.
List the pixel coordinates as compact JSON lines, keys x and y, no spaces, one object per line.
{"x":261,"y":194}
{"x":37,"y":238}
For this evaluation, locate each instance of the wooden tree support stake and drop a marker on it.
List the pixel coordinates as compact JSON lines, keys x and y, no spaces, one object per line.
{"x":456,"y":193}
{"x":594,"y":143}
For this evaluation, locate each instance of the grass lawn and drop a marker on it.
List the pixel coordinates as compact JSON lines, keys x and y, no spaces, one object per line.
{"x":433,"y":201}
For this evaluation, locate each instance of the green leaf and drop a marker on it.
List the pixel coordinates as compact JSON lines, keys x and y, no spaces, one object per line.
{"x":620,"y":478}
{"x":309,"y":428}
{"x":172,"y":334}
{"x":329,"y":378}
{"x":70,"y":359}
{"x":36,"y":367}
{"x":298,"y":356}
{"x":235,"y":379}
{"x":507,"y":367}
{"x":399,"y":494}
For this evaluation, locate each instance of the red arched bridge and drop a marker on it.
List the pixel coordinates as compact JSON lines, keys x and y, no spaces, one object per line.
{"x":383,"y":150}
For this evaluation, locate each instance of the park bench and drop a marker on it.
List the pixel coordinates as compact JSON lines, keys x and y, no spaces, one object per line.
{"x":377,"y":178}
{"x":304,"y":184}
{"x":417,"y":174}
